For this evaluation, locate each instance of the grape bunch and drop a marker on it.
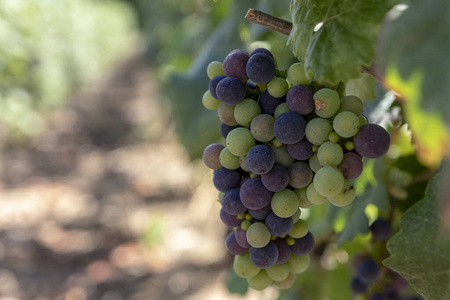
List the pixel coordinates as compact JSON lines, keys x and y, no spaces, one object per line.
{"x":289,"y":144}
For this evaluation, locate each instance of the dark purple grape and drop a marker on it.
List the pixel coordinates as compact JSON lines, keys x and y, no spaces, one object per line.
{"x":304,"y":245}
{"x":262,"y":50}
{"x":351,"y":166}
{"x":254,"y":195}
{"x":260,"y":68}
{"x":231,"y":203}
{"x":232,"y":245}
{"x":260,"y":159}
{"x":300,"y":99}
{"x":241,"y":237}
{"x":260,"y":214}
{"x":381,"y":230}
{"x":301,"y":150}
{"x":368,"y":271}
{"x":379,"y":296}
{"x":284,"y":251}
{"x":235,"y":63}
{"x":225,"y":179}
{"x":372,"y":141}
{"x":357,"y":286}
{"x":225,"y":129}
{"x":230,"y":91}
{"x":268,"y":103}
{"x":229,"y":220}
{"x":211,"y":156}
{"x":289,"y":128}
{"x":411,"y":298}
{"x":300,"y":175}
{"x":264,"y":257}
{"x":213,"y":84}
{"x":276,"y":179}
{"x":278,"y":226}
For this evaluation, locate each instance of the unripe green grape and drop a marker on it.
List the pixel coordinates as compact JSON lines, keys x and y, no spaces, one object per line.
{"x":241,"y":216}
{"x":228,"y":160}
{"x":254,"y":175}
{"x":289,"y":240}
{"x":328,"y":181}
{"x":346,"y":124}
{"x":317,"y":131}
{"x":297,"y":74}
{"x":244,"y":267}
{"x":285,"y":284}
{"x":245,"y":224}
{"x":239,"y":141}
{"x":260,"y":281}
{"x":248,"y":217}
{"x":314,"y":163}
{"x":277,"y":143}
{"x":277,"y":87}
{"x":262,"y":86}
{"x":363,"y":120}
{"x":299,"y":230}
{"x":330,"y":154}
{"x":214,"y":68}
{"x":209,"y":102}
{"x":284,"y":203}
{"x":281,"y":109}
{"x":298,"y":263}
{"x":245,"y":111}
{"x":226,"y":114}
{"x":349,"y":145}
{"x":258,"y":235}
{"x":221,"y":194}
{"x":315,"y":148}
{"x":261,"y":127}
{"x":243,"y":163}
{"x":313,"y":196}
{"x":351,"y":103}
{"x":333,"y":137}
{"x":327,"y":102}
{"x":345,"y":196}
{"x":278,"y":272}
{"x":297,"y":215}
{"x":303,"y":201}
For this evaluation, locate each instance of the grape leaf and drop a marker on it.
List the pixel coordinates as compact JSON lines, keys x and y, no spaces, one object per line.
{"x":362,"y":87}
{"x":345,"y":41}
{"x":420,"y":251}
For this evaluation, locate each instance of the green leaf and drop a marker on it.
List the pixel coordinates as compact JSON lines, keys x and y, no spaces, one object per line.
{"x":362,"y":87}
{"x":420,"y":251}
{"x":345,"y":41}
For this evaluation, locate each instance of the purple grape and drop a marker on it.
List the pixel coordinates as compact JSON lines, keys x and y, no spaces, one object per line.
{"x":301,"y":150}
{"x":381,"y":230}
{"x":229,"y":220}
{"x":378,"y":296}
{"x":260,"y":159}
{"x":368,"y":271}
{"x":357,"y":286}
{"x":300,"y":99}
{"x":225,"y":129}
{"x":213,"y":84}
{"x":211,"y":156}
{"x":304,"y":245}
{"x":372,"y":141}
{"x":235,"y":63}
{"x":262,"y":50}
{"x":231,"y":203}
{"x":230,"y":91}
{"x":260,"y":214}
{"x":300,"y":175}
{"x":264,"y":257}
{"x":225,"y":179}
{"x":289,"y":128}
{"x":284,"y":251}
{"x":268,"y":103}
{"x":241,"y":237}
{"x":351,"y":166}
{"x":278,"y":226}
{"x":232,"y":245}
{"x":254,"y":195}
{"x":276,"y":179}
{"x":260,"y":68}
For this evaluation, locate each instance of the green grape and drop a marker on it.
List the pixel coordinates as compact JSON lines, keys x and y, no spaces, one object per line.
{"x":333,"y":137}
{"x":287,"y":283}
{"x":297,"y":74}
{"x":341,"y":89}
{"x":303,"y":201}
{"x":345,"y":196}
{"x":209,"y":102}
{"x":314,"y":163}
{"x":276,"y":142}
{"x":262,"y":86}
{"x":226,"y":114}
{"x":298,"y":263}
{"x":245,"y":224}
{"x":351,"y":103}
{"x":327,"y":102}
{"x":346,"y":124}
{"x":290,"y":240}
{"x":299,"y":230}
{"x":214,"y":68}
{"x":284,"y":203}
{"x":317,"y":131}
{"x":278,"y":272}
{"x":281,"y":156}
{"x":296,"y":216}
{"x":241,"y":216}
{"x":258,"y":235}
{"x":314,"y":197}
{"x":328,"y":181}
{"x":349,"y":145}
{"x":277,"y":87}
{"x":221,"y":194}
{"x":239,"y":141}
{"x":281,"y":109}
{"x":261,"y":128}
{"x":248,"y":217}
{"x":363,"y":120}
{"x":243,"y":163}
{"x":315,"y":148}
{"x":254,"y":175}
{"x":228,"y":160}
{"x":260,"y":281}
{"x":244,"y":267}
{"x":330,"y":154}
{"x":245,"y":111}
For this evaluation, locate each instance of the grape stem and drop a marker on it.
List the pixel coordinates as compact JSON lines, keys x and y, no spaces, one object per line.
{"x":269,"y":21}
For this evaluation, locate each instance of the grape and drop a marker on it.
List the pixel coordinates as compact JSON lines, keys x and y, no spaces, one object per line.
{"x":258,"y":235}
{"x":278,"y":272}
{"x":351,"y":103}
{"x":268,"y":103}
{"x":301,"y":150}
{"x":284,"y":251}
{"x":363,"y":120}
{"x":351,"y":166}
{"x":225,"y":129}
{"x":264,"y":257}
{"x":211,"y":156}
{"x":328,"y":181}
{"x":213,"y":84}
{"x":317,"y":131}
{"x":346,"y":124}
{"x":278,"y":226}
{"x":276,"y":179}
{"x":209,"y":102}
{"x":349,"y":145}
{"x":229,"y":220}
{"x":260,"y":159}
{"x":300,"y":174}
{"x":231,"y":203}
{"x":313,"y":196}
{"x":245,"y":111}
{"x":300,"y":99}
{"x":298,"y":263}
{"x":371,"y":141}
{"x":299,"y":230}
{"x":289,"y":128}
{"x":262,"y":50}
{"x":381,"y":230}
{"x":281,"y":109}
{"x":284,"y":203}
{"x":245,"y":225}
{"x":225,"y":179}
{"x":298,"y":75}
{"x":234,"y":64}
{"x":241,"y":237}
{"x":333,"y":137}
{"x":254,"y":195}
{"x":230,"y":90}
{"x":239,"y":141}
{"x":214,"y":68}
{"x":345,"y":196}
{"x":295,"y":217}
{"x":260,"y":214}
{"x":303,"y":201}
{"x":357,"y":286}
{"x":304,"y":245}
{"x":314,"y":163}
{"x":368,"y":271}
{"x":327,"y":102}
{"x":260,"y":281}
{"x":330,"y":154}
{"x":244,"y":267}
{"x":243,"y":163}
{"x":260,"y":68}
{"x":226,"y":114}
{"x":287,"y":283}
{"x":277,"y":87}
{"x":281,"y":156}
{"x":228,"y":160}
{"x":261,"y":128}
{"x":232,"y":246}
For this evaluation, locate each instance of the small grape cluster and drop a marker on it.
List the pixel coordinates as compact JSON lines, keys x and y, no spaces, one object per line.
{"x":289,"y":144}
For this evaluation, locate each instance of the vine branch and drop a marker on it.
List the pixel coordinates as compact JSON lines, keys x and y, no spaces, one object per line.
{"x":269,"y":21}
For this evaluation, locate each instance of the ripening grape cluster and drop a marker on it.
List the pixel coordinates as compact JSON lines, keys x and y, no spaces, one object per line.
{"x":289,"y":144}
